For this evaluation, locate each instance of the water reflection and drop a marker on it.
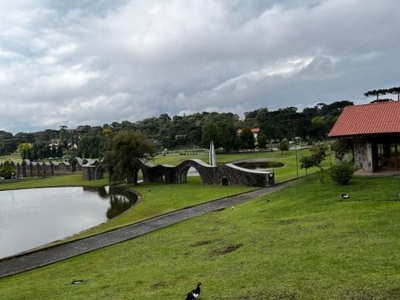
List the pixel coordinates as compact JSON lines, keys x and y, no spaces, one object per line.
{"x":120,"y":199}
{"x":33,"y":217}
{"x":260,"y":165}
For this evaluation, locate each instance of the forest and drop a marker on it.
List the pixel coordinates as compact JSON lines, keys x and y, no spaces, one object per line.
{"x":182,"y":132}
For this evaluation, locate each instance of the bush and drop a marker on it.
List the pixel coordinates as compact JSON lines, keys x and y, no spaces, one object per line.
{"x":342,"y":173}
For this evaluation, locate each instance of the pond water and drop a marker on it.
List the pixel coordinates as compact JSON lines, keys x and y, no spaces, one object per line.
{"x":31,"y":218}
{"x":263,"y":166}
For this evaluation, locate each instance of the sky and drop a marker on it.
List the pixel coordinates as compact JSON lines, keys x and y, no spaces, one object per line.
{"x":94,"y":62}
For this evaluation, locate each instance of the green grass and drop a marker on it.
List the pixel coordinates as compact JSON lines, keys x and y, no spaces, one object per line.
{"x":290,"y":170}
{"x":302,"y":242}
{"x":159,"y":199}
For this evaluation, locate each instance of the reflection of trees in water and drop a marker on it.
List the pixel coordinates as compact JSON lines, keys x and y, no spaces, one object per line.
{"x":260,"y":165}
{"x":101,"y":191}
{"x":120,"y":199}
{"x":119,"y":203}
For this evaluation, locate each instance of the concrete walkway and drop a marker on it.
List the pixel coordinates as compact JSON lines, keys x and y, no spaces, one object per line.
{"x":35,"y":259}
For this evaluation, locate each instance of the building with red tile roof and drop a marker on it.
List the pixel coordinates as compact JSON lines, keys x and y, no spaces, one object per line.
{"x":367,"y":119}
{"x":374,"y":130}
{"x":254,"y":130}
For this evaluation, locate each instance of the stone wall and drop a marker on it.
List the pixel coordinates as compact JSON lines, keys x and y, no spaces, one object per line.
{"x":363,"y":155}
{"x":92,"y":171}
{"x":28,"y":168}
{"x":226,"y":174}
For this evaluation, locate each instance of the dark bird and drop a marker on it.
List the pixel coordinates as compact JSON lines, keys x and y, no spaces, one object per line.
{"x":344,"y":196}
{"x":194,"y":294}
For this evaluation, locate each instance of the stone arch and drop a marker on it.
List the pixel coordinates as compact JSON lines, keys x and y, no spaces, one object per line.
{"x":201,"y":167}
{"x":183,"y":173}
{"x":74,"y":165}
{"x":225,"y":181}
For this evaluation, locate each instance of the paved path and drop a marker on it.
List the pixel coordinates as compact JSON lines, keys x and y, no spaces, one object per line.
{"x":43,"y":257}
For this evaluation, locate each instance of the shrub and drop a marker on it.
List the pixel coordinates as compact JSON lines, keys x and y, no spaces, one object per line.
{"x":342,"y":173}
{"x":284,"y":145}
{"x":7,"y":171}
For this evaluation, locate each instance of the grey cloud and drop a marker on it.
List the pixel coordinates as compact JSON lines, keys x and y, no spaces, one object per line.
{"x":94,"y":62}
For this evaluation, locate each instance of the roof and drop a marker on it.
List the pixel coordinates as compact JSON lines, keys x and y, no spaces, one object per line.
{"x":253,"y":130}
{"x":373,"y":118}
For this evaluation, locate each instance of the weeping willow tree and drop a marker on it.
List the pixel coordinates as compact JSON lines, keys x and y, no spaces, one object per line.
{"x":7,"y":171}
{"x":123,"y":156}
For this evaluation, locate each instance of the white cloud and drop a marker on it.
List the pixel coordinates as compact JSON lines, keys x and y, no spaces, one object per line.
{"x":95,"y":62}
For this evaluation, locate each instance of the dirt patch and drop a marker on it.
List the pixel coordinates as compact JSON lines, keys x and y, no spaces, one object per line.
{"x":325,"y":226}
{"x":158,"y":285}
{"x":202,"y":243}
{"x":275,"y":295}
{"x":287,"y":221}
{"x":227,"y":249}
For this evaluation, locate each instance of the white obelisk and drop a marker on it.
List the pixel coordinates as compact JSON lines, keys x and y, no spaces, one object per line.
{"x":211,"y":155}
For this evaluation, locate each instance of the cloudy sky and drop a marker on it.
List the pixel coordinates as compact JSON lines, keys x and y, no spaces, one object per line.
{"x":92,"y":62}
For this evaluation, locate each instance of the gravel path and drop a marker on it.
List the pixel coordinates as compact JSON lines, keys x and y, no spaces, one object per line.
{"x":31,"y":260}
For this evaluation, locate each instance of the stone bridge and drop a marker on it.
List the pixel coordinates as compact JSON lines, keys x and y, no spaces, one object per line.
{"x":226,"y":174}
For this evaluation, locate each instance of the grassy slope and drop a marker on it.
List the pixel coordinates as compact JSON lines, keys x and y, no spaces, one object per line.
{"x":304,"y":243}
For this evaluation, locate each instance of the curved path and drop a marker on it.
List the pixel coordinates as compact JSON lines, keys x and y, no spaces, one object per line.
{"x":31,"y":260}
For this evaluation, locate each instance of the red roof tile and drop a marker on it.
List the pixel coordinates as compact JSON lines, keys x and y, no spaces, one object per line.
{"x":253,"y":130}
{"x":379,"y":117}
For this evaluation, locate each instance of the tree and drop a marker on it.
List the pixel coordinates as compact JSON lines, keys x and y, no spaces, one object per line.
{"x":23,"y":149}
{"x":372,"y":93}
{"x":210,"y":133}
{"x":395,"y":90}
{"x":342,"y":173}
{"x":341,"y":148}
{"x":377,"y":93}
{"x":318,"y":128}
{"x":226,"y":136}
{"x":247,"y":139}
{"x":122,"y":160}
{"x":63,"y":135}
{"x":262,"y":141}
{"x":318,"y":151}
{"x":284,"y":145}
{"x":91,"y":146}
{"x":7,"y":171}
{"x":318,"y":154}
{"x":307,"y":162}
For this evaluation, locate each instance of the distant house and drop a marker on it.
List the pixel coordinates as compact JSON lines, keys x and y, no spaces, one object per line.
{"x":254,"y":130}
{"x":374,"y":130}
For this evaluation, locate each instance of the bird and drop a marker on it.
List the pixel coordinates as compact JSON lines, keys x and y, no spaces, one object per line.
{"x":194,"y":294}
{"x":344,"y":196}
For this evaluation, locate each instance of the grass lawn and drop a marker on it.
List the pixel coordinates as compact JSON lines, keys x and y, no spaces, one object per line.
{"x":290,"y":159}
{"x":302,"y":242}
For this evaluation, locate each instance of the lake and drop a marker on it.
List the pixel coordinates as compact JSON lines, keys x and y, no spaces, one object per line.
{"x":30,"y":218}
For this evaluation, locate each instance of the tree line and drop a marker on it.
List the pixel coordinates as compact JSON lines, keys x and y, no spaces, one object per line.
{"x":379,"y":92}
{"x":187,"y":131}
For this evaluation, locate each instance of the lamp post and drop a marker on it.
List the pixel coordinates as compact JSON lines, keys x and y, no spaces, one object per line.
{"x":297,"y":161}
{"x":295,"y":150}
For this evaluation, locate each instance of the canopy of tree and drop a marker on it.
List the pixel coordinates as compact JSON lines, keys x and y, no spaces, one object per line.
{"x":188,"y":131}
{"x":122,"y":159}
{"x":377,"y":93}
